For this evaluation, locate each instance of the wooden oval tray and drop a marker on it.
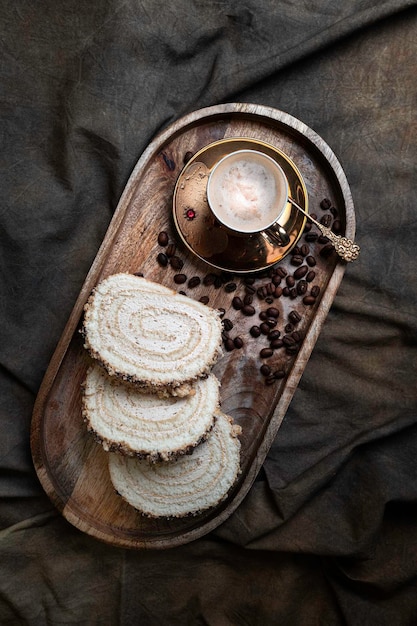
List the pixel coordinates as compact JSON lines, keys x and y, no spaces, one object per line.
{"x":71,"y":466}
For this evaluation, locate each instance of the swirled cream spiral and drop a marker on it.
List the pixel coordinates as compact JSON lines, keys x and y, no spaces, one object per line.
{"x":149,"y":334}
{"x":134,"y":423}
{"x":186,"y":486}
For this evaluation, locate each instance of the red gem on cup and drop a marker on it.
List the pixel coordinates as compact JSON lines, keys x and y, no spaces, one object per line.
{"x":190,"y":214}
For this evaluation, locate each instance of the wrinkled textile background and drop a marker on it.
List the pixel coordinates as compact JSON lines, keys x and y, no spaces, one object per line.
{"x":328,"y":533}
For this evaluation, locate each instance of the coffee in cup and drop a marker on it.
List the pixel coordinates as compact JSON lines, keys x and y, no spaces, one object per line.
{"x":247,"y":191}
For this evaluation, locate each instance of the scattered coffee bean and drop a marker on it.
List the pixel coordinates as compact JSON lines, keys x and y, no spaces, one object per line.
{"x":271,"y":321}
{"x":222,"y":312}
{"x":194,"y":282}
{"x":140,"y":274}
{"x":171,"y":250}
{"x":315,"y":291}
{"x":281,"y":271}
{"x":269,"y":299}
{"x":248,"y":299}
{"x":310,"y":276}
{"x":262,"y":292}
{"x":286,"y":292}
{"x":217,"y":282}
{"x":311,"y":261}
{"x":292,"y":349}
{"x":301,"y":287}
{"x":274,"y":334}
{"x":276,"y":279}
{"x":289,"y":327}
{"x":265,"y":370}
{"x":269,"y":380}
{"x":327,"y":251}
{"x":311,"y":237}
{"x":227,"y":324}
{"x":264,"y":328}
{"x":249,"y":280}
{"x":309,"y":300}
{"x":300,"y":272}
{"x":323,"y":239}
{"x":263,"y":315}
{"x":163,"y":238}
{"x":276,"y":343}
{"x":297,"y":260}
{"x":304,"y":250}
{"x":162,"y":259}
{"x":278,"y":292}
{"x":255,"y":331}
{"x":337,"y":227}
{"x":175,"y":262}
{"x":307,"y":227}
{"x":187,"y":156}
{"x":229,"y":345}
{"x":288,"y":340}
{"x":209,"y":279}
{"x":272,"y":312}
{"x":290,"y":280}
{"x":279,"y":374}
{"x":293,"y":293}
{"x":230,"y":287}
{"x":326,"y":220}
{"x":265,"y":353}
{"x":248,"y":310}
{"x":294,"y":317}
{"x":204,"y":299}
{"x":237,"y":303}
{"x":238,"y":342}
{"x":225,"y":335}
{"x":334,"y":211}
{"x":325,"y":204}
{"x":179,"y":279}
{"x":295,"y":251}
{"x":297,"y":336}
{"x":250,"y":289}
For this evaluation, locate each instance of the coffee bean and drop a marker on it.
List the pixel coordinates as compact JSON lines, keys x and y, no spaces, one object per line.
{"x":323,"y":239}
{"x":271,"y":321}
{"x":262,"y":292}
{"x":309,"y":300}
{"x":263,"y":315}
{"x":265,"y":353}
{"x":265,"y":370}
{"x":269,"y":300}
{"x":238,"y":342}
{"x":230,"y":287}
{"x":276,"y":344}
{"x":279,"y":374}
{"x":250,"y":289}
{"x":325,"y":204}
{"x":163,"y":238}
{"x":297,"y":336}
{"x":281,"y":271}
{"x":270,"y":288}
{"x":311,"y":261}
{"x":237,"y":303}
{"x":295,"y":251}
{"x":209,"y":279}
{"x":179,"y":279}
{"x":278,"y":292}
{"x":162,"y":259}
{"x":276,"y":279}
{"x":204,"y":299}
{"x":314,"y":215}
{"x":290,"y":280}
{"x":307,"y":227}
{"x":269,"y":380}
{"x":293,"y":293}
{"x":294,"y":349}
{"x":187,"y":156}
{"x":302,"y":287}
{"x":249,"y":280}
{"x":297,"y":260}
{"x":300,"y":272}
{"x":326,"y":220}
{"x":272,"y":312}
{"x":315,"y":291}
{"x":225,"y":335}
{"x":311,"y":237}
{"x":194,"y":282}
{"x":171,"y":249}
{"x":227,"y":324}
{"x":229,"y":345}
{"x":274,"y":334}
{"x":182,"y":293}
{"x":286,"y":292}
{"x":248,"y":310}
{"x":289,"y":328}
{"x":138,"y":274}
{"x":175,"y":262}
{"x":327,"y":251}
{"x":255,"y":331}
{"x":288,"y":340}
{"x":217,"y":282}
{"x":294,"y":317}
{"x":333,"y":211}
{"x":222,"y":312}
{"x":304,"y":250}
{"x":264,"y":328}
{"x":310,"y":276}
{"x":337,"y":227}
{"x":248,"y":299}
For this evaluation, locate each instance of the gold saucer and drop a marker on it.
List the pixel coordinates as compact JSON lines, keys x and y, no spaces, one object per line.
{"x":203,"y":235}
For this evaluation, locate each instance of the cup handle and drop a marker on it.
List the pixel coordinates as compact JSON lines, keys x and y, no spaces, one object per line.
{"x":277,"y":234}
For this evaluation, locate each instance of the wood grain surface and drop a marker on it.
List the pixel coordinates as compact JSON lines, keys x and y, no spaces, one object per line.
{"x":71,"y":466}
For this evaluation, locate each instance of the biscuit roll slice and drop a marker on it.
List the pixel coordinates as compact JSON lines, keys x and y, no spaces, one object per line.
{"x":186,"y":486}
{"x":148,"y":426}
{"x":150,"y":335}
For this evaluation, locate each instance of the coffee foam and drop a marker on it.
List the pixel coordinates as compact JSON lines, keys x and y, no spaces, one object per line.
{"x":245,"y":194}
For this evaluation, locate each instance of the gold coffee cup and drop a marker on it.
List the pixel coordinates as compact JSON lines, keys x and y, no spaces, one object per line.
{"x":247,"y":192}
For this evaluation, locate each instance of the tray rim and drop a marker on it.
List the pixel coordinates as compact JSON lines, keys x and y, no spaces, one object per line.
{"x":298,"y":366}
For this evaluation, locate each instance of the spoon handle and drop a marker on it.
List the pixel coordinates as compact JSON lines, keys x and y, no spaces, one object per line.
{"x":345,"y":248}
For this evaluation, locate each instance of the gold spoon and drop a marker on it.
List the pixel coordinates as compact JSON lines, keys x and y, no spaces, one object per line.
{"x":345,"y":248}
